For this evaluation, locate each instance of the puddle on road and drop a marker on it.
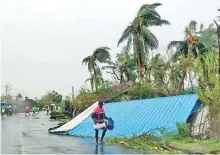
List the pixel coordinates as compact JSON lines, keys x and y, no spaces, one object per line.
{"x":27,"y":135}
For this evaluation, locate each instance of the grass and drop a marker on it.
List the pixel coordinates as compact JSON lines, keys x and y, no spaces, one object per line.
{"x":208,"y":146}
{"x":144,"y":143}
{"x":154,"y":144}
{"x":63,"y":120}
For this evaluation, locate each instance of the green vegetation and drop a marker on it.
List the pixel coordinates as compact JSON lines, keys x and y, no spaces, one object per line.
{"x":144,"y":142}
{"x":168,"y":142}
{"x":100,"y":55}
{"x":207,"y":146}
{"x":63,"y":120}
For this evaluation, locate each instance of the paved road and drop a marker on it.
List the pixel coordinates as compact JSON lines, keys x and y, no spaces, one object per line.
{"x":28,"y":135}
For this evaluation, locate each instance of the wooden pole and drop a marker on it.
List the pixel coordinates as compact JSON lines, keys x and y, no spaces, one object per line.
{"x":72,"y":92}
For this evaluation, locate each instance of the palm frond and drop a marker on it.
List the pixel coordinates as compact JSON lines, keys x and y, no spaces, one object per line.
{"x":91,"y":65}
{"x":88,"y":79}
{"x":187,"y":32}
{"x":157,"y":22}
{"x":86,"y":60}
{"x":157,"y":62}
{"x":174,"y":44}
{"x":192,"y":25}
{"x":140,"y":52}
{"x":149,"y":14}
{"x":126,"y":49}
{"x":99,"y":72}
{"x":208,"y":38}
{"x":102,"y":54}
{"x":151,"y":6}
{"x":109,"y":67}
{"x":149,"y":38}
{"x":125,"y":35}
{"x":110,"y":63}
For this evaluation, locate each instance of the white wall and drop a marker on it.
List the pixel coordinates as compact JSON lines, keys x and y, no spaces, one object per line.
{"x":200,"y":124}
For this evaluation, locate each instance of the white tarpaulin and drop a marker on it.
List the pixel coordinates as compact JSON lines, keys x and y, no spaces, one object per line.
{"x":77,"y":120}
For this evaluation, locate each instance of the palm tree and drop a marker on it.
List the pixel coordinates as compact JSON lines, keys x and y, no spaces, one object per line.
{"x":157,"y":67}
{"x":100,"y":55}
{"x":95,"y":81}
{"x":123,"y":68}
{"x":139,"y":34}
{"x":194,"y":43}
{"x":205,"y":39}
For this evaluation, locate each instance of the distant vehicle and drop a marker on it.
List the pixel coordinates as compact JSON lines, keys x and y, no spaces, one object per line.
{"x":9,"y":110}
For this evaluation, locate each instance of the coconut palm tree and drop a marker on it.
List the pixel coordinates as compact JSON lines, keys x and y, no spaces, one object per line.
{"x":205,"y":39}
{"x":123,"y":68}
{"x":194,"y":43}
{"x":100,"y":55}
{"x":139,"y":34}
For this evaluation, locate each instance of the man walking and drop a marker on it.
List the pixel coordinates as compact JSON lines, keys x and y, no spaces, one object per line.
{"x":99,"y":117}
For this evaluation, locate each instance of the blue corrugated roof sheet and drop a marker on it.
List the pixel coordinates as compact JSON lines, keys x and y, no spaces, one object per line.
{"x":141,"y":116}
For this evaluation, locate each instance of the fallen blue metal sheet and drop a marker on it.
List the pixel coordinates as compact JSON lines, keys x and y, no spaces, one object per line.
{"x":141,"y":116}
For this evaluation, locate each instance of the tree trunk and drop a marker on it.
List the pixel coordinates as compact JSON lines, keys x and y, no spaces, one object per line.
{"x":186,"y":65}
{"x":141,"y":72}
{"x":191,"y":82}
{"x":74,"y":113}
{"x":121,"y":76}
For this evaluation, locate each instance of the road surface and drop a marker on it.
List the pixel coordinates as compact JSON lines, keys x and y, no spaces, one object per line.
{"x":28,"y":135}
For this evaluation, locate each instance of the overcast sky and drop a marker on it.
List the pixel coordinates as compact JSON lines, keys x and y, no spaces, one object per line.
{"x":43,"y":42}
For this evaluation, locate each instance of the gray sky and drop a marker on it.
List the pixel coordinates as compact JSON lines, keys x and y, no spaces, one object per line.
{"x":43,"y":42}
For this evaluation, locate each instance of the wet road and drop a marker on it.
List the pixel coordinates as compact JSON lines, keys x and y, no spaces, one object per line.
{"x":28,"y":135}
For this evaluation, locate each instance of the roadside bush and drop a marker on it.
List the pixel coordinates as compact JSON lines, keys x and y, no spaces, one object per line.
{"x":183,"y":130}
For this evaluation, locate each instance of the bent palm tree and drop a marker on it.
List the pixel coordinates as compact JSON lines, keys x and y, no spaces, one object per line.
{"x":139,"y":34}
{"x":100,"y":55}
{"x":194,"y":43}
{"x":205,"y":38}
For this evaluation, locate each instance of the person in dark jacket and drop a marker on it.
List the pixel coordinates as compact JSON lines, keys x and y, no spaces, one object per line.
{"x":99,"y":117}
{"x":70,"y":111}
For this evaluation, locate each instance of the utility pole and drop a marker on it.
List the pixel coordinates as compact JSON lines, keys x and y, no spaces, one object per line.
{"x":74,"y":111}
{"x":72,"y":92}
